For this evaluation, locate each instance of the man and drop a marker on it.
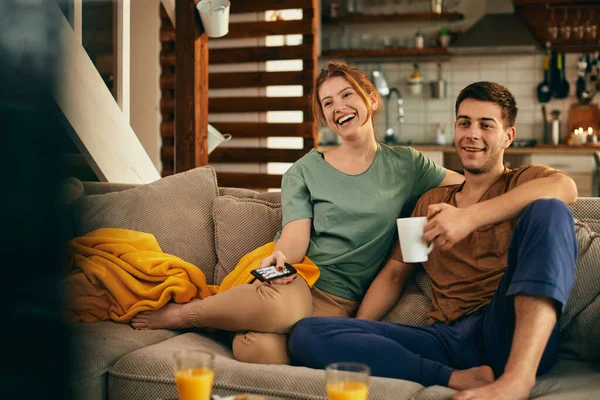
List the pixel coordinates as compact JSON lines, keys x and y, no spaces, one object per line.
{"x":501,"y":271}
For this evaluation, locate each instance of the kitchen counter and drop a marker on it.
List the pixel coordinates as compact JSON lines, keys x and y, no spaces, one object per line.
{"x":538,"y":149}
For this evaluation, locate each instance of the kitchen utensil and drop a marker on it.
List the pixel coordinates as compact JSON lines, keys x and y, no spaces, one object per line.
{"x":580,"y":85}
{"x":594,"y":71}
{"x":439,"y":87}
{"x":390,"y":135}
{"x":544,"y":94}
{"x":554,"y":136}
{"x":544,"y":114}
{"x":383,"y":89}
{"x":561,"y":89}
{"x":380,"y":83}
{"x":554,"y":72}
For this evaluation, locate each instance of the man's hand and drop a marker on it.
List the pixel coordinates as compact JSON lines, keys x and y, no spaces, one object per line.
{"x":447,"y":225}
{"x":277,"y":259}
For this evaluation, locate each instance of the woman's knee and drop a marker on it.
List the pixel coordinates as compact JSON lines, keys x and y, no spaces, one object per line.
{"x":285,"y":304}
{"x":261,"y":348}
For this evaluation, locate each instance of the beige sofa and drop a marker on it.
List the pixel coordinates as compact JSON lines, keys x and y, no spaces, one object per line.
{"x":212,"y":227}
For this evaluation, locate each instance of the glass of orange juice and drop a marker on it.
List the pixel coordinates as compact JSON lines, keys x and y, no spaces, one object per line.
{"x":194,"y":374}
{"x":347,"y":381}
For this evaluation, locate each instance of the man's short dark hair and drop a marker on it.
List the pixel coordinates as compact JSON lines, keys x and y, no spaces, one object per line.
{"x":494,"y":93}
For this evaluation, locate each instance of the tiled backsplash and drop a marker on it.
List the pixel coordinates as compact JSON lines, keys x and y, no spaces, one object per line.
{"x":519,"y":73}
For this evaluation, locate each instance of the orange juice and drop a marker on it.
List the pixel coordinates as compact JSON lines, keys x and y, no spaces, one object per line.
{"x":347,"y":390}
{"x":194,"y":383}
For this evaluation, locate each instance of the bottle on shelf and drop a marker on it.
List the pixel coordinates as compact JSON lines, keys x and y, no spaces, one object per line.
{"x":419,"y":40}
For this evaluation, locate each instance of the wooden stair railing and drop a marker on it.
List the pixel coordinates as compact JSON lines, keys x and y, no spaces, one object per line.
{"x":307,"y":52}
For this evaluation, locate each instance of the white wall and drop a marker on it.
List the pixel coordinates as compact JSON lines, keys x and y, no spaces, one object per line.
{"x":519,"y":73}
{"x":145,"y":76}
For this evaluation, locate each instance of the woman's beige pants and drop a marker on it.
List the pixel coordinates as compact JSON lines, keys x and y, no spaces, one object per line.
{"x":263,"y":314}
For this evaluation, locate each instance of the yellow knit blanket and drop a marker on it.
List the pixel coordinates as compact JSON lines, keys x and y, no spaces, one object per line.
{"x":116,"y":273}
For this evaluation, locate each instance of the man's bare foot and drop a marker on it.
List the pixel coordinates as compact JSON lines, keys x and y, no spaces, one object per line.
{"x":170,"y":316}
{"x":505,"y":388}
{"x":471,"y":378}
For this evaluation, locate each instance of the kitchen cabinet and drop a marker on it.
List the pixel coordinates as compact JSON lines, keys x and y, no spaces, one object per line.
{"x":539,"y":14}
{"x":435,"y":156}
{"x":581,"y":168}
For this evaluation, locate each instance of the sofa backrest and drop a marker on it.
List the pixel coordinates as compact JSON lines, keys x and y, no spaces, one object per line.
{"x":229,"y":222}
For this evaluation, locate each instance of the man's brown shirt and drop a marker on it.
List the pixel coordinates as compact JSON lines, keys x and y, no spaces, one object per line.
{"x":464,"y":278}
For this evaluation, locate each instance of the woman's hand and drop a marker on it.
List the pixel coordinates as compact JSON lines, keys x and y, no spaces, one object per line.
{"x":277,"y":259}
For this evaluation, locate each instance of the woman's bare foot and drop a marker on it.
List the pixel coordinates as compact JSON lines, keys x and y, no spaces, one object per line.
{"x":471,"y":378}
{"x":507,"y":387}
{"x":170,"y":316}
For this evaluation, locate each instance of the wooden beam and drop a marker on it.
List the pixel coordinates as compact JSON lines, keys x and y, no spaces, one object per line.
{"x":249,"y":181}
{"x":93,"y":119}
{"x":191,"y":88}
{"x":122,"y":46}
{"x":258,"y":104}
{"x":308,"y":116}
{"x":244,"y":130}
{"x":259,"y":79}
{"x":248,"y":54}
{"x":254,"y":155}
{"x":260,"y":54}
{"x":240,"y":130}
{"x":242,"y":104}
{"x":245,"y":154}
{"x":244,"y":6}
{"x":246,"y":79}
{"x":242,"y":30}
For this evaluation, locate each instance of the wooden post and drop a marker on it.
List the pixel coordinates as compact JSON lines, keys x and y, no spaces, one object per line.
{"x":122,"y":50}
{"x":191,"y":88}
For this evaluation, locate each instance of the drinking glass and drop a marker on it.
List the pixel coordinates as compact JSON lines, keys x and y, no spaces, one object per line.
{"x":590,"y":26}
{"x":194,"y":374}
{"x":347,"y":381}
{"x":578,"y":28}
{"x":552,"y":27}
{"x":565,"y":28}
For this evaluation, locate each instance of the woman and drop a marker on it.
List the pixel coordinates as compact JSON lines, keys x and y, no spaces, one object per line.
{"x":339,"y":209}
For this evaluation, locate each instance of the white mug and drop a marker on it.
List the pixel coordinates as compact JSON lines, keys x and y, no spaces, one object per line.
{"x":410,"y":233}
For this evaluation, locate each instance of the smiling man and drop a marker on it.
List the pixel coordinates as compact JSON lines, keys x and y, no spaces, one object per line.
{"x":501,"y":271}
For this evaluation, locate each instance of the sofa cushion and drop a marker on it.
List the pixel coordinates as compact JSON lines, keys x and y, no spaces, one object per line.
{"x":242,"y":225}
{"x":271,"y":197}
{"x":586,"y":207}
{"x":148,"y":374}
{"x":176,"y":209}
{"x":582,"y":313}
{"x":411,"y":308}
{"x":97,"y":346}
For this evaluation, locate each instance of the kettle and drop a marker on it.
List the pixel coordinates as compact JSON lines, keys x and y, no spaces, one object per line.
{"x":439,"y":88}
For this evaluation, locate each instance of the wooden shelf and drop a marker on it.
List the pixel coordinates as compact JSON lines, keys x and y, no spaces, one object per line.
{"x":360,"y":19}
{"x":384,"y":53}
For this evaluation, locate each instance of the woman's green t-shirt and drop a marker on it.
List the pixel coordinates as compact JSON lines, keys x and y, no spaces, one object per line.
{"x":354,"y":216}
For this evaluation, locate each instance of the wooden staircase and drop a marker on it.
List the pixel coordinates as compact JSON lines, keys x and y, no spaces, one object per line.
{"x":307,"y":52}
